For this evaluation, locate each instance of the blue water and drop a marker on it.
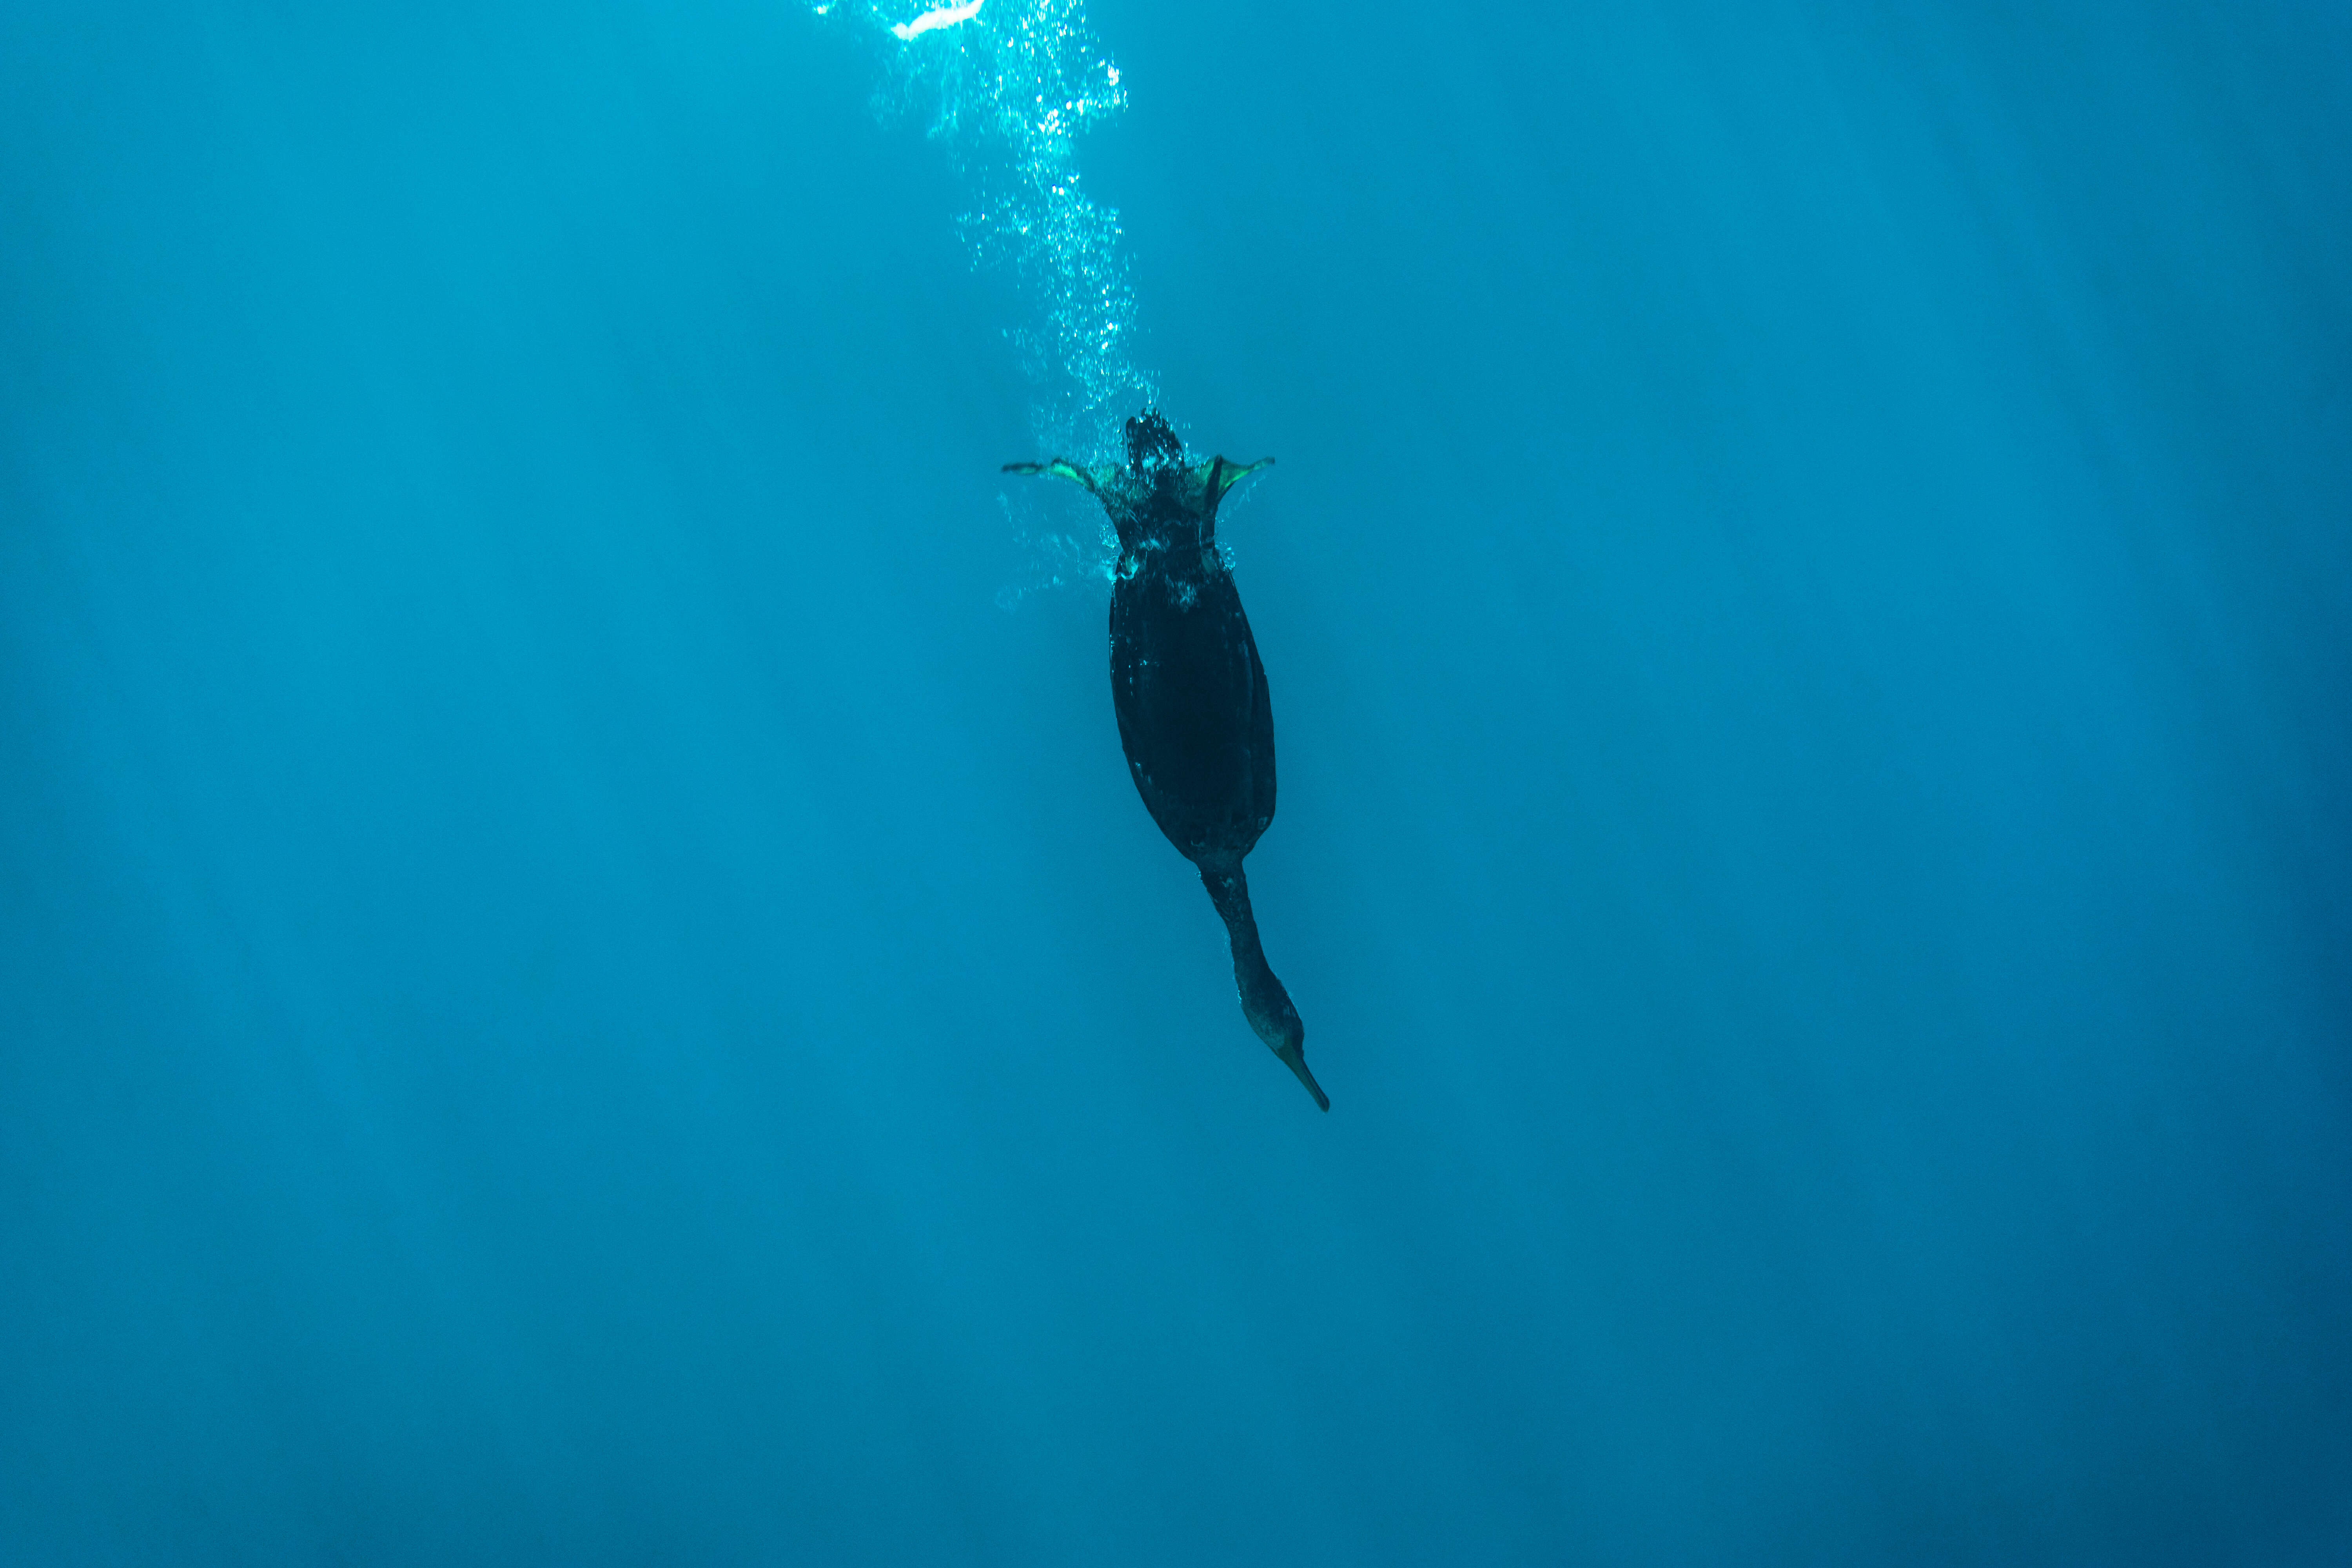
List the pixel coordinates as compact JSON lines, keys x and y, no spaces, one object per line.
{"x":576,"y":988}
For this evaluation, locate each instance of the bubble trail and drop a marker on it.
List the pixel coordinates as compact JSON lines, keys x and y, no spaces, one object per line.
{"x":1008,"y":85}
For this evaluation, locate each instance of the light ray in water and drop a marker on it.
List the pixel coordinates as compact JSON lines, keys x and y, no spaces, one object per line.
{"x":1007,"y":92}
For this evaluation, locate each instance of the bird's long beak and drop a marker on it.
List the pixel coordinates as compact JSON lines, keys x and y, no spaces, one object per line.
{"x":1298,"y":1060}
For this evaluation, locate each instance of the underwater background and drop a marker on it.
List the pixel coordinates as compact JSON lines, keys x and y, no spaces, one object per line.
{"x":582,"y":980}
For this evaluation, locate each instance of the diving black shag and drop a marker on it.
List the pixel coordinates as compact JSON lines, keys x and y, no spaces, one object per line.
{"x":1189,"y":691}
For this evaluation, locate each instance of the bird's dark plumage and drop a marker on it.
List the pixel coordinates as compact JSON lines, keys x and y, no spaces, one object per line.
{"x":1193,"y":713}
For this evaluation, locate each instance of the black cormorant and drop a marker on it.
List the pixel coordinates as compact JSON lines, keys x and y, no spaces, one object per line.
{"x":1189,"y":691}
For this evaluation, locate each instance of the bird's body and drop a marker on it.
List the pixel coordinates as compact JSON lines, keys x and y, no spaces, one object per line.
{"x":1194,"y":715}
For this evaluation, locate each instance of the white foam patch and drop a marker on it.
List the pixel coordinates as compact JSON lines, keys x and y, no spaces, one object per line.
{"x":933,"y":20}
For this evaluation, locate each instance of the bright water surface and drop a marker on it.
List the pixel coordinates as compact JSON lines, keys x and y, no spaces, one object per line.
{"x":574,"y":989}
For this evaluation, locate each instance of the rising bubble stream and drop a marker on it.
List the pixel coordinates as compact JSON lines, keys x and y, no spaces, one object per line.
{"x":1007,"y":85}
